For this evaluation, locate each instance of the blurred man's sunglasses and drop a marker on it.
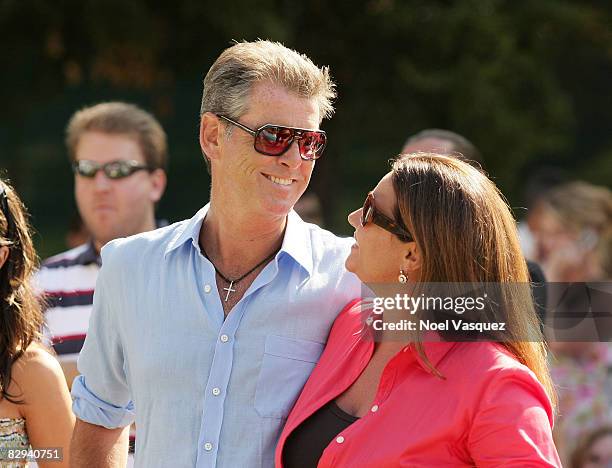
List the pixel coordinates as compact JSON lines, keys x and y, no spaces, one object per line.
{"x":369,"y":214}
{"x":275,"y":140}
{"x":113,"y":170}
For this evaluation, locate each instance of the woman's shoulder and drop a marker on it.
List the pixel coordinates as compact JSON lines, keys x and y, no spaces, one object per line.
{"x":37,"y":370}
{"x":353,"y":315}
{"x":492,"y":368}
{"x":487,"y":355}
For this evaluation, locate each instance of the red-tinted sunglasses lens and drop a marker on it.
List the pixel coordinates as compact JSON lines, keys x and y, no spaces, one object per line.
{"x":273,"y":141}
{"x":312,"y":144}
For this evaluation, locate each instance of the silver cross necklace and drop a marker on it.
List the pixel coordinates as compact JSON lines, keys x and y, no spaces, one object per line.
{"x":232,"y":282}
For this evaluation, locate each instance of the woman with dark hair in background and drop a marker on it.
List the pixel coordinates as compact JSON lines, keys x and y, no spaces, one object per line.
{"x":34,"y":400}
{"x":420,"y":398}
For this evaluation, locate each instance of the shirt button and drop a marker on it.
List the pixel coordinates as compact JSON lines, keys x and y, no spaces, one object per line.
{"x":340,"y":439}
{"x":207,"y":288}
{"x":374,"y":409}
{"x":216,"y":391}
{"x":224,"y":338}
{"x":208,"y":446}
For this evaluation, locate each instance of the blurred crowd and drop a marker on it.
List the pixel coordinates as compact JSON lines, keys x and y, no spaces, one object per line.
{"x":569,"y":226}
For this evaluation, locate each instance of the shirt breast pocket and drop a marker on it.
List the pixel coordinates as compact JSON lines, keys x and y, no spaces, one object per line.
{"x":286,"y":365}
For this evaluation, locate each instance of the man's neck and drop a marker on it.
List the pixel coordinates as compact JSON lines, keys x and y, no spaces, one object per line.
{"x":235,"y":243}
{"x":148,"y":225}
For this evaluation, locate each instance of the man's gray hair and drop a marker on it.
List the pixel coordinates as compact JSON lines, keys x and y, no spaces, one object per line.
{"x":228,"y":83}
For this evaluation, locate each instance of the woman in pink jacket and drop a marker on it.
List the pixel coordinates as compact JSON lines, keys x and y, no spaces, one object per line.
{"x":421,"y":398}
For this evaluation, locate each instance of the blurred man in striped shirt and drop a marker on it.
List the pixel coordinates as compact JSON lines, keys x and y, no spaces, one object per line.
{"x":118,"y":154}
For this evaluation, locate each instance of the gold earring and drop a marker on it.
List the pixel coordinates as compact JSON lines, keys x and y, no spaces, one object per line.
{"x":402,"y":277}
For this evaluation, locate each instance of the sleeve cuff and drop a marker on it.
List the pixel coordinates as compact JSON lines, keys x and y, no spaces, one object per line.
{"x":89,"y":408}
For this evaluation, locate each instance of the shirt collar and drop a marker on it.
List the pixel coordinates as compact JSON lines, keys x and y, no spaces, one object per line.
{"x":89,"y":255}
{"x":296,"y":242}
{"x":190,"y":230}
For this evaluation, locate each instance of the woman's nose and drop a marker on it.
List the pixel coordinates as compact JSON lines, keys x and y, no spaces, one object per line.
{"x":354,"y":218}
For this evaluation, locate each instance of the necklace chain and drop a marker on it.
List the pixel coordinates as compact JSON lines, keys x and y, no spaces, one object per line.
{"x":235,"y":281}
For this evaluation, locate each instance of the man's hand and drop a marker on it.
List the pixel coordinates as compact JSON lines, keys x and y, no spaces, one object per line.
{"x":95,"y":446}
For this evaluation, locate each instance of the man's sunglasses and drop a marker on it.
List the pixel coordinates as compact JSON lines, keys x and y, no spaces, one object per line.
{"x":369,"y":213}
{"x":275,"y":140}
{"x":113,"y":170}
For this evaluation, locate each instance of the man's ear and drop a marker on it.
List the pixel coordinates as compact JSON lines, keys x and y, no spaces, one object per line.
{"x":158,"y":182}
{"x":4,"y":253}
{"x":211,"y":133}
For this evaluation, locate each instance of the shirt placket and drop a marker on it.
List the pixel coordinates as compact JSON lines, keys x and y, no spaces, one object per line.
{"x":216,"y":390}
{"x":220,"y":372}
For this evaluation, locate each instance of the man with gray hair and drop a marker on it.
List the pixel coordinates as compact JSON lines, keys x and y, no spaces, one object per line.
{"x":205,"y":331}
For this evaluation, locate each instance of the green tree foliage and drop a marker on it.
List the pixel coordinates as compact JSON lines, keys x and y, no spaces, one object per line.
{"x":528,"y":82}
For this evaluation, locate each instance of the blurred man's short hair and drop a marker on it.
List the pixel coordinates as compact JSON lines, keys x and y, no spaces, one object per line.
{"x":461,"y":147}
{"x":122,"y":119}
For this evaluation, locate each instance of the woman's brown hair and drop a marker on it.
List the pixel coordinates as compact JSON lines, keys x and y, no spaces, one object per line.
{"x":466,"y":233}
{"x":20,"y":311}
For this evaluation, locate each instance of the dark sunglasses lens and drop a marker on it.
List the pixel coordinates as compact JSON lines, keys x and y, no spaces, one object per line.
{"x":118,"y":170}
{"x":367,"y":211}
{"x":312,"y":144}
{"x":273,"y":141}
{"x":86,"y":168}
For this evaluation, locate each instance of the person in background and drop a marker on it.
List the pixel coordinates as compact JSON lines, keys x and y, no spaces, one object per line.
{"x":436,"y":140}
{"x":118,"y":154}
{"x":573,"y":230}
{"x":572,"y":224}
{"x":429,"y":398}
{"x":537,"y":182}
{"x":594,"y":450}
{"x":34,"y":398}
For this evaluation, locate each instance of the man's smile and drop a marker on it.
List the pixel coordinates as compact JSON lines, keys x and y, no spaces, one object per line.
{"x":279,"y":180}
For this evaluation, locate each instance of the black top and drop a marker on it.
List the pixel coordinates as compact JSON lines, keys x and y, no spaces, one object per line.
{"x":305,"y":445}
{"x":538,"y":289}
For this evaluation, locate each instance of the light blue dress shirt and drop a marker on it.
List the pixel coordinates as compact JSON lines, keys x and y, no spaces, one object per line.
{"x":205,"y":391}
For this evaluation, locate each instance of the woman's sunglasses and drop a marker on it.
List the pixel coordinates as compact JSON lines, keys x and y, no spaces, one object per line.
{"x":113,"y":170}
{"x":369,"y":214}
{"x":275,"y":140}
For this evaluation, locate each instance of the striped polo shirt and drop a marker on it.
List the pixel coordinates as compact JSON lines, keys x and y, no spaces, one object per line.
{"x":67,"y":281}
